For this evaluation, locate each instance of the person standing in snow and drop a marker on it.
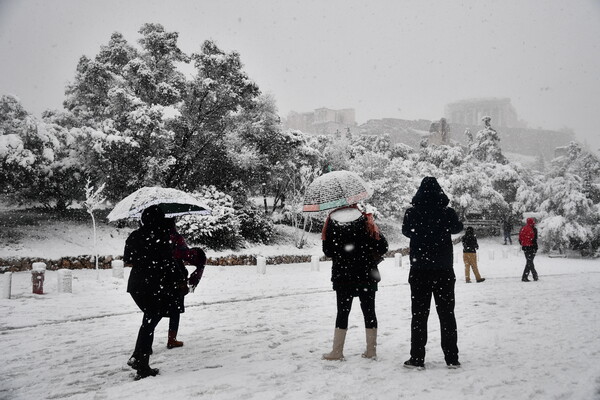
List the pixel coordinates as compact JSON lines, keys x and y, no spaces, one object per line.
{"x":182,"y":253}
{"x":153,"y":282}
{"x":429,"y":224}
{"x":353,"y":240}
{"x":470,"y":246}
{"x":528,"y":241}
{"x":507,"y":229}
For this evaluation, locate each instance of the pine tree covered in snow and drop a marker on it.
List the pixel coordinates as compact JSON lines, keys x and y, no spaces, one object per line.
{"x":486,"y":145}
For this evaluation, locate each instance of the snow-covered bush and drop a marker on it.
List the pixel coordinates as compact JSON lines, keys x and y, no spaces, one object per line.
{"x":255,"y":225}
{"x":219,"y":230}
{"x":571,"y":217}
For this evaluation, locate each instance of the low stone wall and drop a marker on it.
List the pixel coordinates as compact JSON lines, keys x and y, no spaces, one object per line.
{"x":77,"y":262}
{"x":104,"y":262}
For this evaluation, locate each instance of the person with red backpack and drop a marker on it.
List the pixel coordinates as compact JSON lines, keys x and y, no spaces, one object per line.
{"x":528,"y":241}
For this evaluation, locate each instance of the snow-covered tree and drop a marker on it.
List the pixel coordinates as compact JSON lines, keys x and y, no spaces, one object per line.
{"x":119,"y":104}
{"x":394,"y":189}
{"x":93,"y":201}
{"x":486,"y":146}
{"x":570,"y":216}
{"x":219,"y":90}
{"x":299,"y":180}
{"x":570,"y":202}
{"x":147,"y":124}
{"x":38,"y":163}
{"x":292,"y":153}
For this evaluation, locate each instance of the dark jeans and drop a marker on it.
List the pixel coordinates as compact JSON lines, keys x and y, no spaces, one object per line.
{"x":440,"y":284}
{"x":507,"y":237}
{"x":344,"y":305}
{"x":529,"y":267}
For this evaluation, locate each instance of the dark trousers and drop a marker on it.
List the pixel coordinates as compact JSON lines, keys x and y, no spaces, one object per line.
{"x":151,"y":318}
{"x":174,"y":321}
{"x":344,"y":305}
{"x":529,"y":267}
{"x":143,"y":344}
{"x":440,"y":284}
{"x":507,"y":237}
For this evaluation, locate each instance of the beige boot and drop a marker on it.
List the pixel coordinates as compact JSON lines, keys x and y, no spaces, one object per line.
{"x":371,"y":351}
{"x":339,"y":337}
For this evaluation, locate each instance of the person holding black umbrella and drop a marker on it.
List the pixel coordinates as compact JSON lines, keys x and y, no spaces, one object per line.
{"x":153,"y":282}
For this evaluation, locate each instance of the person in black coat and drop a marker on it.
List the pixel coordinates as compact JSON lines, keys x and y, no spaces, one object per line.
{"x":470,"y":246}
{"x":429,"y":224}
{"x":353,"y":240}
{"x":153,"y":282}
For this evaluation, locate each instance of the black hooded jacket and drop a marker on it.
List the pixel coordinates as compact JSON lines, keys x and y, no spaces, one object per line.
{"x":153,"y":279}
{"x":469,"y":241}
{"x":429,"y":224}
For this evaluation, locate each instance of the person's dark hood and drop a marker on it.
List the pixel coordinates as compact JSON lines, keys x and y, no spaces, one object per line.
{"x":469,"y":232}
{"x":153,"y":217}
{"x":430,"y":193}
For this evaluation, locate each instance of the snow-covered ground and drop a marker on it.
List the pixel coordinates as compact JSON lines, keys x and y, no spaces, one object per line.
{"x":253,"y":336}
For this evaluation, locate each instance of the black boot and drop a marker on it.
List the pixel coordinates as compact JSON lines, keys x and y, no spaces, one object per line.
{"x":413,"y":363}
{"x":133,"y":361}
{"x":142,"y":366}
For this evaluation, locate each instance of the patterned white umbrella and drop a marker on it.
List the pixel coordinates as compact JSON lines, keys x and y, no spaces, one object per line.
{"x":335,"y":189}
{"x":174,"y":202}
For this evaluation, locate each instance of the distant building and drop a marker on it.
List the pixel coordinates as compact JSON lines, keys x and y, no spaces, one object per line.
{"x":322,"y":121}
{"x":470,"y":112}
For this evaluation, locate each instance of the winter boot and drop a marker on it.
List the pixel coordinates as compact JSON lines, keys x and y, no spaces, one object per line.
{"x":339,"y":337}
{"x":143,"y":368}
{"x":173,"y":342}
{"x":371,"y":352}
{"x":412,"y":363}
{"x":133,"y":361}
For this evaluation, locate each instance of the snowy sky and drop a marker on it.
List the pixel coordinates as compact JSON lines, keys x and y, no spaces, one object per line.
{"x":389,"y":58}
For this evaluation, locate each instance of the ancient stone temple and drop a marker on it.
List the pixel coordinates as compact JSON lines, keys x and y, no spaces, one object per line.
{"x":470,"y":112}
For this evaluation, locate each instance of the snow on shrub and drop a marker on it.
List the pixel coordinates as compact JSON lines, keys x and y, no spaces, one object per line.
{"x":255,"y":226}
{"x":217,"y":231}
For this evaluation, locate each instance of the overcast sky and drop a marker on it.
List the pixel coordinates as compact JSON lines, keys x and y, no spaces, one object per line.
{"x":394,"y":58}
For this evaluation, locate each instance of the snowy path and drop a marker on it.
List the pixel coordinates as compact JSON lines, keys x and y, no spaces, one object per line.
{"x":250,"y":336}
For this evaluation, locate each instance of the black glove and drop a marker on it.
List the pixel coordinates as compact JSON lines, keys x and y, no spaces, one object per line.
{"x":195,"y":277}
